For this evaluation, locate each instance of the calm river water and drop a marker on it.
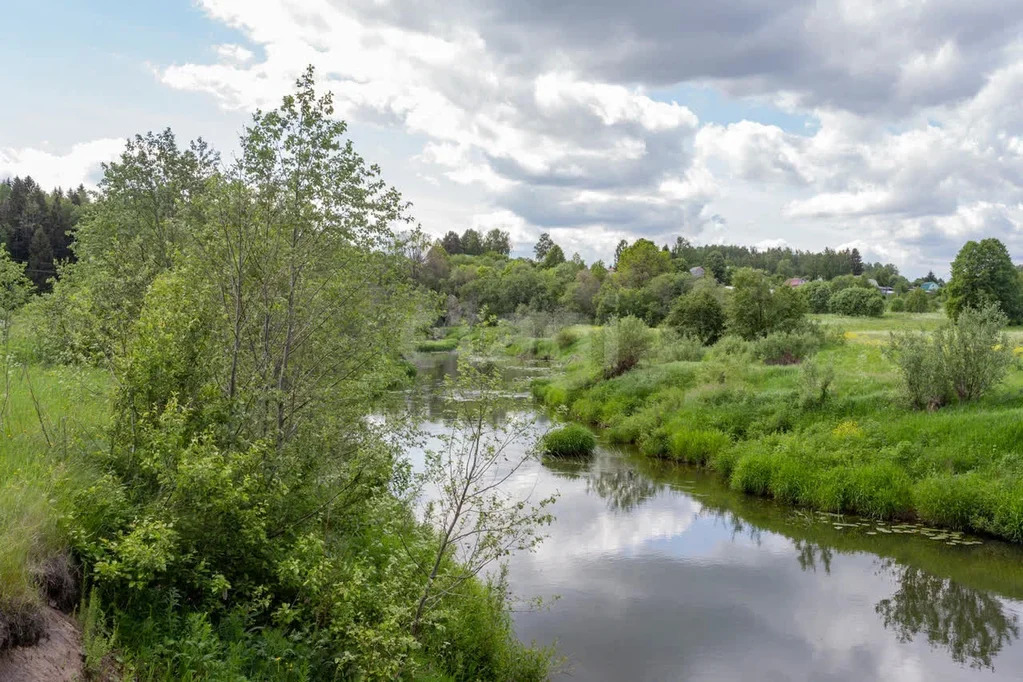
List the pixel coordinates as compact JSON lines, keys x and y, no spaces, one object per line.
{"x":662,"y":573}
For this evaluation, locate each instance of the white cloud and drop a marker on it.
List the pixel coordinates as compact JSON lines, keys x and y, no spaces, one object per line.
{"x":79,"y":165}
{"x":545,"y":115}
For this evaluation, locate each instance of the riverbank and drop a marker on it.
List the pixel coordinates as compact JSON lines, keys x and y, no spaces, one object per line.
{"x":767,"y":430}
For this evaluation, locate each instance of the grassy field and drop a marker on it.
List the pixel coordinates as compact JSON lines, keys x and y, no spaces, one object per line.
{"x":53,"y":415}
{"x":862,"y":450}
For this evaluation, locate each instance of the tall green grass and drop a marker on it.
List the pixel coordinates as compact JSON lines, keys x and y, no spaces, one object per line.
{"x":51,"y":417}
{"x":862,"y":450}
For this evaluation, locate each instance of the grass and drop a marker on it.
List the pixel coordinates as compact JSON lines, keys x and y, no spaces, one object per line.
{"x":569,"y":441}
{"x":40,"y":470}
{"x":862,"y":451}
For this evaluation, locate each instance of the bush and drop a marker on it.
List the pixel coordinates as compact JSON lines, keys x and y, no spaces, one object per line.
{"x":921,"y":370}
{"x":569,"y":441}
{"x":858,"y":302}
{"x":898,"y":305}
{"x":817,"y":295}
{"x":815,"y":382}
{"x":965,"y":358}
{"x":565,"y":338}
{"x":918,"y":301}
{"x":732,"y":347}
{"x":786,"y":348}
{"x":619,"y":345}
{"x":699,"y":314}
{"x":675,"y":347}
{"x":975,"y":351}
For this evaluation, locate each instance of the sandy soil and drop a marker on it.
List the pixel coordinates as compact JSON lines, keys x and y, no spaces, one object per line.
{"x":56,"y":658}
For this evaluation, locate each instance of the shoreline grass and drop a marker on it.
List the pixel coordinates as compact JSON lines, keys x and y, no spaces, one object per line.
{"x":862,"y":451}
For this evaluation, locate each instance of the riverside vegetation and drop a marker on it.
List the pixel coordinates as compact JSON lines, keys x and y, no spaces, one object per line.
{"x":838,"y":421}
{"x":187,"y":455}
{"x":193,"y":353}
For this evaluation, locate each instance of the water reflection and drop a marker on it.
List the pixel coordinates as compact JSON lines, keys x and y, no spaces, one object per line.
{"x":810,"y":555}
{"x":665,"y":573}
{"x":972,"y":625}
{"x":622,"y":489}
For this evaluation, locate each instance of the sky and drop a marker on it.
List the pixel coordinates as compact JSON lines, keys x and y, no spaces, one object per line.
{"x":893,"y":126}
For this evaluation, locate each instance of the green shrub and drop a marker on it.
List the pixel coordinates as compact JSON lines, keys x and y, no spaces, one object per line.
{"x":964,"y":358}
{"x":565,"y":338}
{"x":817,"y":295}
{"x":620,"y":345}
{"x":572,"y":440}
{"x":815,"y":382}
{"x":858,"y":302}
{"x":898,"y":305}
{"x":731,"y":346}
{"x":918,"y":301}
{"x":786,"y":348}
{"x":921,"y":370}
{"x":976,"y":353}
{"x":437,"y":345}
{"x":699,"y":314}
{"x":675,"y":347}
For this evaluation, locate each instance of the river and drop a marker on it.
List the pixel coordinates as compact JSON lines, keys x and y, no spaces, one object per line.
{"x":659,"y":572}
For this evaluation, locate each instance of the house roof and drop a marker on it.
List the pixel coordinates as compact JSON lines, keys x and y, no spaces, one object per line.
{"x":930,"y":286}
{"x":697,"y":271}
{"x":795,"y":281}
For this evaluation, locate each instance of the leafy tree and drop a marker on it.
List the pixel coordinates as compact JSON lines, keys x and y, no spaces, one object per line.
{"x":40,"y":259}
{"x":918,"y":301}
{"x":700,"y":314}
{"x":599,"y":270}
{"x":581,"y":294}
{"x":858,"y":302}
{"x":543,"y":246}
{"x":818,"y":296}
{"x":640,"y":262}
{"x":472,"y":243}
{"x":125,"y":242}
{"x":622,"y":245}
{"x":437,"y":266}
{"x":452,"y":243}
{"x":497,"y":241}
{"x":477,"y":523}
{"x":754,"y":309}
{"x":619,"y":345}
{"x":983,"y":273}
{"x":553,"y":258}
{"x":856,"y":262}
{"x":715,"y":264}
{"x":680,"y":247}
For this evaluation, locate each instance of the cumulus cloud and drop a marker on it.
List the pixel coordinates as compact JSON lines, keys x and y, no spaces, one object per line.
{"x":548,"y":111}
{"x":79,"y":165}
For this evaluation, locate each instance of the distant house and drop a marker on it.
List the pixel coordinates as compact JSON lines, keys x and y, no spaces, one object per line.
{"x":795,"y":282}
{"x":887,"y":291}
{"x":697,"y":272}
{"x":930,"y":287}
{"x":873,"y":283}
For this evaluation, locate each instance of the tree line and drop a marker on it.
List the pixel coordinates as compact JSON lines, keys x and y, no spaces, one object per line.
{"x":37,"y":227}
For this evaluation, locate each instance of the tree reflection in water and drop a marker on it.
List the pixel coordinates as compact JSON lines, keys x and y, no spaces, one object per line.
{"x":972,"y":625}
{"x":811,"y":555}
{"x":622,"y":489}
